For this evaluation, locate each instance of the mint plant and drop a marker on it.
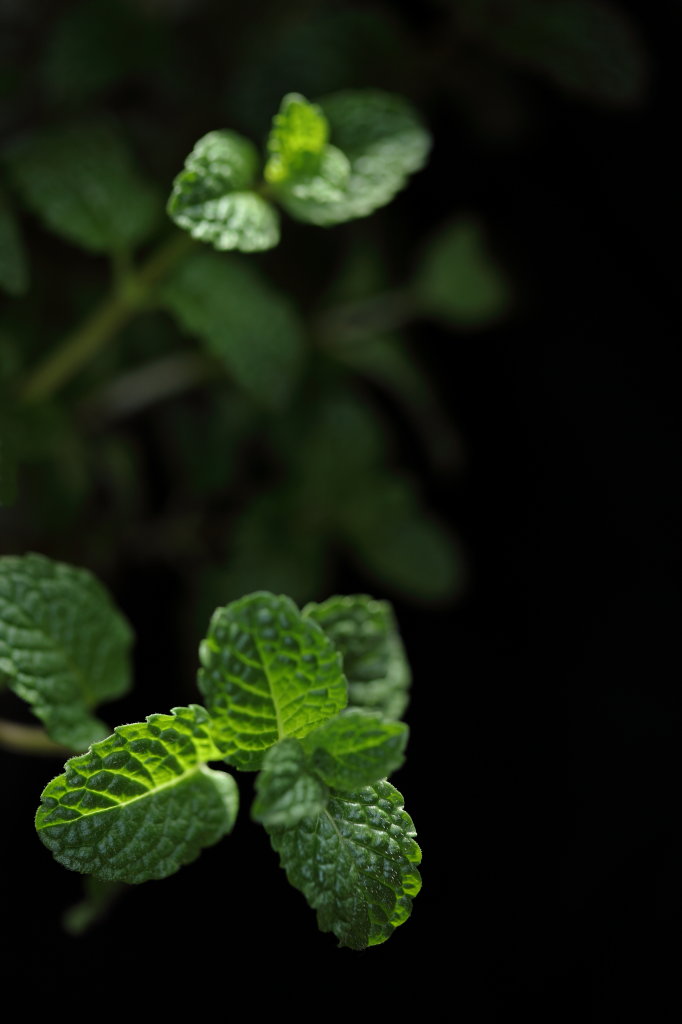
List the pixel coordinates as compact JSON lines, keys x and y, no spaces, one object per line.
{"x":142,"y":802}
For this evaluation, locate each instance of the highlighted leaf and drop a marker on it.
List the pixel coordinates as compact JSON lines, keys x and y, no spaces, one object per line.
{"x":64,"y":647}
{"x":141,"y":803}
{"x":212,"y":197}
{"x":267,"y":674}
{"x":81,"y":181}
{"x":287,"y":790}
{"x":242,"y":320}
{"x":356,"y":748}
{"x":366,"y":864}
{"x":374,"y":660}
{"x":297,"y":140}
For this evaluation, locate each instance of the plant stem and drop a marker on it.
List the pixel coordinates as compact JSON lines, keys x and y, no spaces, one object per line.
{"x":29,"y":739}
{"x":104,"y":323}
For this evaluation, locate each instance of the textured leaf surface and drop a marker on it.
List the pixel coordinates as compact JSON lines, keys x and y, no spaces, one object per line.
{"x":13,"y":265}
{"x":459,"y":281}
{"x":286,"y":788}
{"x":63,"y":645}
{"x":297,"y":140}
{"x":356,"y":864}
{"x":356,"y":748}
{"x":80,"y":179}
{"x":248,"y":325}
{"x":212,"y":197}
{"x":384,"y":142}
{"x":268,"y":674}
{"x":141,"y":803}
{"x":365,"y":632}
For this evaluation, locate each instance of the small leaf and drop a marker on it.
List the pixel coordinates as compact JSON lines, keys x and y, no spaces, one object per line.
{"x":374,"y":661}
{"x":63,"y":645}
{"x":286,"y":789}
{"x":212,"y":197}
{"x":297,"y":140}
{"x":242,"y":320}
{"x":356,"y":748}
{"x":141,"y":803}
{"x":459,"y":281}
{"x":13,"y":262}
{"x":366,"y":864}
{"x":267,"y":674}
{"x":384,"y":142}
{"x":81,"y":181}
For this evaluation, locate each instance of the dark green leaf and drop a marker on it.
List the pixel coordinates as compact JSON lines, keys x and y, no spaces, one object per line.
{"x":356,"y":748}
{"x":286,"y":789}
{"x":13,"y":261}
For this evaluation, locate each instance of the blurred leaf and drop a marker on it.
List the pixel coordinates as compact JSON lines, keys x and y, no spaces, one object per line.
{"x":286,"y":789}
{"x":81,"y":181}
{"x":212,"y":200}
{"x":242,"y":320}
{"x":210,"y":439}
{"x":8,"y":467}
{"x":588,"y":47}
{"x":458,"y":281}
{"x":13,"y":259}
{"x":98,"y":898}
{"x":384,"y":140}
{"x":297,"y":139}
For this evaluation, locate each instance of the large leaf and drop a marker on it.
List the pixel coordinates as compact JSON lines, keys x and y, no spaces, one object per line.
{"x":356,"y":864}
{"x":81,"y":181}
{"x":267,"y":674}
{"x":287,"y":790}
{"x":141,"y":803}
{"x":212,"y":197}
{"x":242,"y":320}
{"x":64,"y":647}
{"x":365,"y":632}
{"x":384,"y":142}
{"x":356,"y":748}
{"x":13,"y":264}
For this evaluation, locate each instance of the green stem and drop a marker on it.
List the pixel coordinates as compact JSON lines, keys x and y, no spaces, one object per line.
{"x":104,"y":323}
{"x":29,"y":739}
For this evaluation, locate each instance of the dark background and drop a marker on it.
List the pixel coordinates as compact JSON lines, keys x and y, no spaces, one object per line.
{"x":543,"y":770}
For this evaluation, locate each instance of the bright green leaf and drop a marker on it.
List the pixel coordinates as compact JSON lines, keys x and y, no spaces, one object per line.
{"x":267,"y":674}
{"x":384,"y":141}
{"x":366,"y":864}
{"x":365,"y":632}
{"x":286,"y":789}
{"x":297,"y":140}
{"x":13,"y":263}
{"x":458,"y":279}
{"x":212,"y":197}
{"x":141,"y":803}
{"x":64,"y":647}
{"x":242,"y":320}
{"x":356,"y":748}
{"x":80,"y":179}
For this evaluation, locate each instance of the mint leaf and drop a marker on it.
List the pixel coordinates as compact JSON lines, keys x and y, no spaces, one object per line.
{"x":64,"y":647}
{"x":458,"y":279}
{"x":242,"y":320}
{"x":141,"y":803}
{"x":267,"y":674}
{"x":384,"y":142}
{"x":212,"y":197}
{"x":297,"y":140}
{"x":13,"y":263}
{"x":364,"y":631}
{"x":366,"y":864}
{"x":80,"y":179}
{"x":356,"y":748}
{"x":287,"y":790}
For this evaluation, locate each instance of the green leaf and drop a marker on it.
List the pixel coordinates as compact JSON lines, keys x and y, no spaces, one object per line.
{"x":13,"y":263}
{"x":365,"y":632}
{"x":64,"y":647}
{"x":355,"y":863}
{"x":141,"y":803}
{"x":356,"y":748}
{"x":81,"y":181}
{"x":297,"y":140}
{"x":242,"y":320}
{"x":384,"y":142}
{"x":212,"y":197}
{"x":267,"y":674}
{"x":286,"y":789}
{"x":459,"y":281}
